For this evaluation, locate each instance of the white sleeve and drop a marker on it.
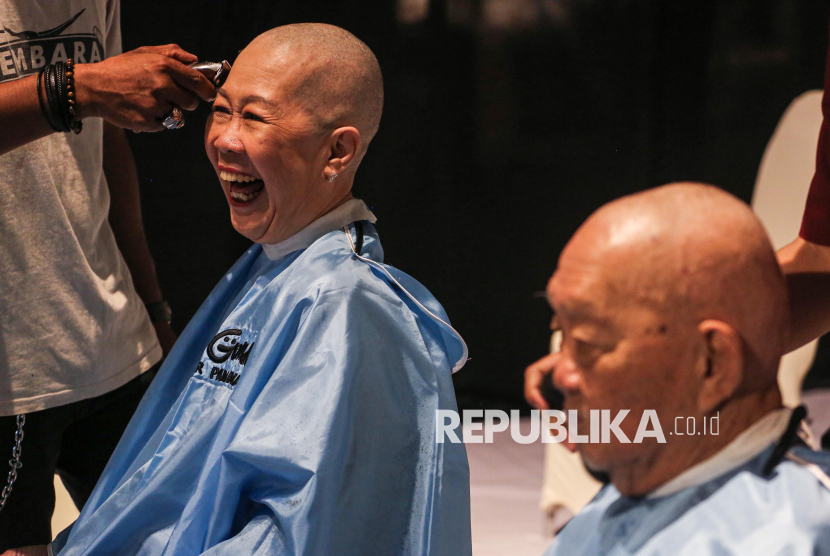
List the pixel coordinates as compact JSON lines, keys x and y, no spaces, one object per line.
{"x":112,"y":37}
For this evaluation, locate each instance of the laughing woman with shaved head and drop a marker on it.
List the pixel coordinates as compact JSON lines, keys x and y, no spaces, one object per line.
{"x":296,"y":413}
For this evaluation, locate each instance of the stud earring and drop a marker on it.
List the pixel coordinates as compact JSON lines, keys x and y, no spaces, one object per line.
{"x":331,"y":178}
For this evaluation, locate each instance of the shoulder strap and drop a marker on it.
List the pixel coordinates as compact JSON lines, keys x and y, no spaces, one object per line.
{"x":786,"y":441}
{"x":464,"y":356}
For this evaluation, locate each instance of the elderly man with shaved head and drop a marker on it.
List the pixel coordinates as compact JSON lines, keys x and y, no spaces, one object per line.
{"x":672,"y":306}
{"x":296,"y":413}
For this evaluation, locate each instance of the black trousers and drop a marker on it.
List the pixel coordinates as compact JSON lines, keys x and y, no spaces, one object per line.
{"x":75,"y":441}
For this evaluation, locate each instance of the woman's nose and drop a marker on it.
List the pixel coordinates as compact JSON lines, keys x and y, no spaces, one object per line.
{"x":228,"y":139}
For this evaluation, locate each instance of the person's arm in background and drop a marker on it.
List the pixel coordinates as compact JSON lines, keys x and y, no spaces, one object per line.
{"x":535,"y":375}
{"x":127,"y":226}
{"x":806,"y":266}
{"x":806,"y":261}
{"x":134,"y":90}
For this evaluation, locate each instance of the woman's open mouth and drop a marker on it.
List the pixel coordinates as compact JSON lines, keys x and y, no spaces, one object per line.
{"x":244,"y":188}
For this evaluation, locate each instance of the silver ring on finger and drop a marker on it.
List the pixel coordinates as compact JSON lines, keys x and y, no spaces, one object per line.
{"x":174,"y":120}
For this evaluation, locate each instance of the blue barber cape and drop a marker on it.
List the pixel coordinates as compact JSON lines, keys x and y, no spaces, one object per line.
{"x":295,"y":416}
{"x":740,"y":513}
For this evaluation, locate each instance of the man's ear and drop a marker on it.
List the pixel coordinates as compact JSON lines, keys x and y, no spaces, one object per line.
{"x":345,"y":144}
{"x":722,"y":365}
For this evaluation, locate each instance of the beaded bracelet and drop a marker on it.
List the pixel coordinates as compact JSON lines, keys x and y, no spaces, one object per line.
{"x":69,"y":74}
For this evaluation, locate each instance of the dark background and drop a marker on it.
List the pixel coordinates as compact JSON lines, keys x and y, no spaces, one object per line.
{"x":507,"y":122}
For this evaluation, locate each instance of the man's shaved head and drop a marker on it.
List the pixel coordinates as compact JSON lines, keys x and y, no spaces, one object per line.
{"x":695,"y":252}
{"x":669,"y":300}
{"x":341,"y":82}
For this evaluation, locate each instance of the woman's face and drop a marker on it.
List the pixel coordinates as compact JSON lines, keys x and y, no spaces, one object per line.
{"x":266,"y":149}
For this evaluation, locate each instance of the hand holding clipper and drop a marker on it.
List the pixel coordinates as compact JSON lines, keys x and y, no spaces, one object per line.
{"x":137,"y":90}
{"x":216,"y":72}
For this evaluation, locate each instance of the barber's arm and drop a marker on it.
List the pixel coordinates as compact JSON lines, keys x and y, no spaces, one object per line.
{"x":125,"y":220}
{"x":134,"y":90}
{"x":806,"y":266}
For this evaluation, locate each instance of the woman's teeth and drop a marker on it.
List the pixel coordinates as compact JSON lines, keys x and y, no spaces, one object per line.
{"x":242,"y":180}
{"x":245,"y":197}
{"x":231,"y":176}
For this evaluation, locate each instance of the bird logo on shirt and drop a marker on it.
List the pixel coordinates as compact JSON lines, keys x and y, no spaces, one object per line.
{"x":27,"y":52}
{"x":33,"y":35}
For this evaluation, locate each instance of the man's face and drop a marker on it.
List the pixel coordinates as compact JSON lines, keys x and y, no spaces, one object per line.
{"x":617,"y":353}
{"x":266,"y":150}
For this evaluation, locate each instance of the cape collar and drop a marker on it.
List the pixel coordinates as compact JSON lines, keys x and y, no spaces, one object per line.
{"x":743,"y":448}
{"x":350,"y":211}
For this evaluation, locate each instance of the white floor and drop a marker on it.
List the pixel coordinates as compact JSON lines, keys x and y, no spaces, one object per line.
{"x":65,"y":511}
{"x":506,"y":482}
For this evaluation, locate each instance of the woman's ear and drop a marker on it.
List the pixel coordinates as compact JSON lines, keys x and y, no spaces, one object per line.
{"x":722,"y":371}
{"x":345,"y":146}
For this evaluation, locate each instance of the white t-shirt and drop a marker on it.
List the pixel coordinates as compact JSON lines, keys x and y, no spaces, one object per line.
{"x":71,"y":324}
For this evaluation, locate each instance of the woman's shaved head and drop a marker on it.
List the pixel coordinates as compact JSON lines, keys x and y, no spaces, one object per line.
{"x":341,"y":82}
{"x":290,"y":126}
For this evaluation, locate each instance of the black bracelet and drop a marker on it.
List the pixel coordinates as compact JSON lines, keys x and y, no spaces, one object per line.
{"x":52,"y":96}
{"x":56,"y":97}
{"x":43,"y":107}
{"x":50,"y":102}
{"x":60,"y":78}
{"x":60,"y":82}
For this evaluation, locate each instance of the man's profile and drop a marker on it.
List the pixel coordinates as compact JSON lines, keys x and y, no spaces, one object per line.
{"x":671,"y":300}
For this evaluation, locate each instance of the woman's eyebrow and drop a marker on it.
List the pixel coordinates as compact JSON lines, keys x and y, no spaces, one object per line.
{"x":246,"y":99}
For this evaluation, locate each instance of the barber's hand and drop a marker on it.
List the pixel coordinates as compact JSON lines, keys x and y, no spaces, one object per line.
{"x":138,"y":89}
{"x":166,"y":336}
{"x":534,"y":375}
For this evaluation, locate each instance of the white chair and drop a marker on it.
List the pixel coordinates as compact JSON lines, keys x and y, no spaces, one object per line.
{"x":780,"y":194}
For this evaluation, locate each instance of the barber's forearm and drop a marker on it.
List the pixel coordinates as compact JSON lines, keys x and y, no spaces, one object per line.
{"x":125,"y":213}
{"x":21,"y":118}
{"x":806,"y":266}
{"x":133,"y":90}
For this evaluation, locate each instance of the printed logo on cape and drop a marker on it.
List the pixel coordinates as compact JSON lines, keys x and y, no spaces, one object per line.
{"x":226,"y":347}
{"x":25,"y":53}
